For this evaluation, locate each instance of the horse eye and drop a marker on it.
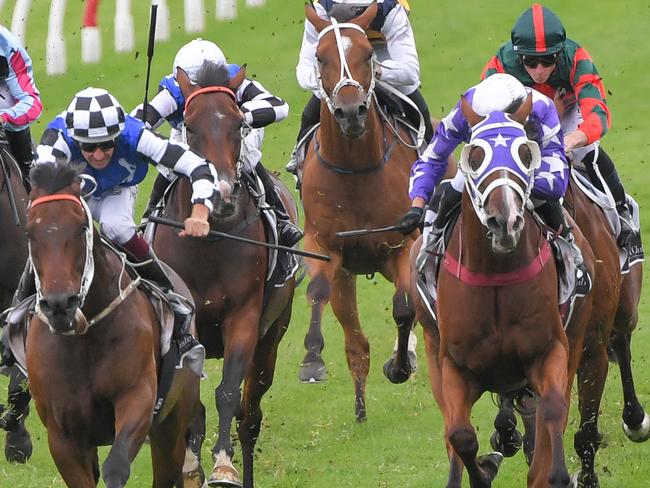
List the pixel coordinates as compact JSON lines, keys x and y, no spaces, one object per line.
{"x":476,"y":157}
{"x":525,"y":155}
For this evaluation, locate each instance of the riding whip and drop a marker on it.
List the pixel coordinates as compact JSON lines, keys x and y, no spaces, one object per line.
{"x":150,"y":46}
{"x":223,"y":235}
{"x":365,"y":232}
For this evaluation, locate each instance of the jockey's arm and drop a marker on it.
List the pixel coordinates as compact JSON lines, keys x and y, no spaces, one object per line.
{"x":427,"y":171}
{"x":306,"y":68}
{"x":181,"y":161}
{"x":403,"y":67}
{"x":159,"y":108}
{"x":53,"y":146}
{"x":259,"y":106}
{"x":21,"y":87}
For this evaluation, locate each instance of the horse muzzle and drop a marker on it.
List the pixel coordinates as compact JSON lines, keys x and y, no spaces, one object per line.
{"x":352,"y":119}
{"x":504,"y":232}
{"x":60,"y":312}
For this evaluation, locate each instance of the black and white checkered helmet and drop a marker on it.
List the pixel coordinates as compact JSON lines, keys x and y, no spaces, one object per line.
{"x":94,"y":115}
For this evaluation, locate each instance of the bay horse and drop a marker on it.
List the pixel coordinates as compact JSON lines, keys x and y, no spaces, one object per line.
{"x":614,"y":316}
{"x":355,"y":176}
{"x":238,"y":318}
{"x":13,"y":255}
{"x":498,"y":324}
{"x":93,"y":348}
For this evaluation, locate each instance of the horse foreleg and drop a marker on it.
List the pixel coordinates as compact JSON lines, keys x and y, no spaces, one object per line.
{"x":357,"y":348}
{"x":592,"y":375}
{"x":403,"y":362}
{"x":240,"y":333}
{"x":257,"y":383}
{"x":313,"y":368}
{"x":459,"y":396}
{"x":548,"y":377}
{"x":132,"y":423}
{"x":18,"y":443}
{"x":77,"y":463}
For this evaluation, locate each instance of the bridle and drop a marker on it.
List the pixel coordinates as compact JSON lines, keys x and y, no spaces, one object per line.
{"x":345,"y":77}
{"x":89,"y":267}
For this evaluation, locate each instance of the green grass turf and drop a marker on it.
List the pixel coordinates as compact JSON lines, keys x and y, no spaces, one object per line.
{"x":309,"y":437}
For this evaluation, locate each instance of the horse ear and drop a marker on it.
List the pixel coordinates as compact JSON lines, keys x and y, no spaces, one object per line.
{"x":522,"y":112}
{"x":472,"y":117}
{"x":184,"y":82}
{"x":238,"y":79}
{"x":313,"y":17}
{"x":364,"y":20}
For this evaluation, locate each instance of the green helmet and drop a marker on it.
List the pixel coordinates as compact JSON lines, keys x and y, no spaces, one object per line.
{"x":538,"y":32}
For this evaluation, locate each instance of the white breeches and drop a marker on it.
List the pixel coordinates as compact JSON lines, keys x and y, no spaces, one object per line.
{"x":114,"y":213}
{"x":569,"y":122}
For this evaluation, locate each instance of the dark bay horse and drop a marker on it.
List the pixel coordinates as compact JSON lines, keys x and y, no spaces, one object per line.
{"x":355,"y":176}
{"x":237,"y":319}
{"x":93,"y":348}
{"x":13,"y":254}
{"x":498,"y":322}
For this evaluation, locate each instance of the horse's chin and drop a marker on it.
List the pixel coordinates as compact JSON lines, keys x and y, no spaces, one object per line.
{"x":224,"y":210}
{"x":353,"y":131}
{"x":62,"y":323}
{"x":505,"y":244}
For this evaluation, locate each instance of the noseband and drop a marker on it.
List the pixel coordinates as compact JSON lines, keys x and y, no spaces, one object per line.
{"x":345,"y":77}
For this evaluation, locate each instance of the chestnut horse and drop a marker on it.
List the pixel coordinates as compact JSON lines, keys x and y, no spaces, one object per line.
{"x":499,"y":326}
{"x":93,"y":348}
{"x":236,"y":319}
{"x":355,"y":175}
{"x":13,"y":254}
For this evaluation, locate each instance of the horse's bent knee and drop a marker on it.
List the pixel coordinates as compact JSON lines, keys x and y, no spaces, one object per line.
{"x":403,"y":309}
{"x":318,"y":289}
{"x":464,"y":441}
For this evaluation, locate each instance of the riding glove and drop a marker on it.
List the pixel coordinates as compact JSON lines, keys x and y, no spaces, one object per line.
{"x":410,"y":220}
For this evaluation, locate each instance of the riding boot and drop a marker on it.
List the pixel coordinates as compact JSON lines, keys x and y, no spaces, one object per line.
{"x":310,"y":117}
{"x":26,"y":288}
{"x":628,"y":228}
{"x":288,"y":233}
{"x":553,"y":214}
{"x":160,"y":185}
{"x":414,"y":118}
{"x":22,"y":149}
{"x":153,"y":270}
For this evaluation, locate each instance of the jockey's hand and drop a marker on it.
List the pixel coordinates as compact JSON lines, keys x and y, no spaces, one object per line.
{"x":196,"y":225}
{"x":408,"y":222}
{"x":573,"y":140}
{"x":558,"y":100}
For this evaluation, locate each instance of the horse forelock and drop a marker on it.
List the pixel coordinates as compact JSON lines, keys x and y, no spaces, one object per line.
{"x":212,"y":74}
{"x":52,"y":177}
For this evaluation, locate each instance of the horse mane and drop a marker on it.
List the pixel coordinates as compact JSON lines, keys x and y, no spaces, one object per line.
{"x":212,"y":74}
{"x":344,"y":13}
{"x":52,"y":177}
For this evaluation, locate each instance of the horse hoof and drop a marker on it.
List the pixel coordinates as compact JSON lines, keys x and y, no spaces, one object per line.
{"x":225,"y":476}
{"x":579,"y":480}
{"x":395,"y":374}
{"x":313,"y":372}
{"x":490,"y":463}
{"x":18,"y":446}
{"x":509,"y":448}
{"x":640,"y":433}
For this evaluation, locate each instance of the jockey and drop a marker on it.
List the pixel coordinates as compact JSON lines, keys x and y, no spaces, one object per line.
{"x":20,"y":101}
{"x":540,"y":56}
{"x":258,"y":106}
{"x":397,"y":60}
{"x":116,"y":150}
{"x":500,"y":92}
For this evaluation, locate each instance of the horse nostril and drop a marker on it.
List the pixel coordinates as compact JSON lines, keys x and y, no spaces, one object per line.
{"x":493,"y":224}
{"x":362,"y":111}
{"x":72,"y":302}
{"x":339,"y":114}
{"x":519,"y":224}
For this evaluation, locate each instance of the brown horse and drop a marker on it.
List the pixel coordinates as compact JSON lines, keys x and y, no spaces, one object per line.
{"x":499,"y":326}
{"x":238,"y":318}
{"x":355,"y":176}
{"x":614,"y":316}
{"x":93,"y":348}
{"x":13,"y":254}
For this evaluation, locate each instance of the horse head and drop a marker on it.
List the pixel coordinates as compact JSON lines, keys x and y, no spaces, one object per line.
{"x":213,"y":122}
{"x":345,"y":68}
{"x":499,"y":165}
{"x":60,"y":239}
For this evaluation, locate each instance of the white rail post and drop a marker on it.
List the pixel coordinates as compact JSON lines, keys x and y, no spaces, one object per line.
{"x":226,"y":9}
{"x":255,"y":3}
{"x":91,"y":39}
{"x":55,"y":56}
{"x":19,"y":19}
{"x":123,"y":26}
{"x":162,"y":20}
{"x":194,"y":16}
